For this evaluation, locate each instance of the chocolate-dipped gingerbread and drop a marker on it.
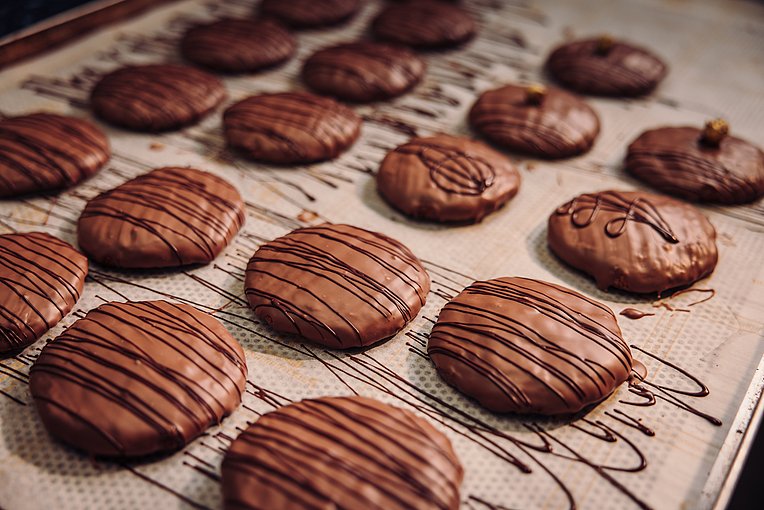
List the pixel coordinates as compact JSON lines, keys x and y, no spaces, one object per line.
{"x":168,"y":217}
{"x":363,"y":71}
{"x":606,"y":67}
{"x":634,"y":241}
{"x":341,"y":452}
{"x":310,"y":13}
{"x":133,"y":379}
{"x":447,"y":178}
{"x":47,"y":152}
{"x":537,"y":120}
{"x":290,"y":127}
{"x":336,"y":285}
{"x":42,"y":278}
{"x":238,"y":45}
{"x":424,"y":24}
{"x":704,"y":165}
{"x":156,"y":97}
{"x":528,"y":346}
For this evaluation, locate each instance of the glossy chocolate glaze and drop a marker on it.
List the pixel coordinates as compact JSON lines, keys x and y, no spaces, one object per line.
{"x":168,"y":217}
{"x":132,"y":379}
{"x":634,"y":241}
{"x":424,"y":24}
{"x":341,"y":452}
{"x":47,"y":152}
{"x":336,"y":285}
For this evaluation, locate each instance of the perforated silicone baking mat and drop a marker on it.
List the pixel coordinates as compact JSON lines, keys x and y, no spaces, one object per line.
{"x":672,"y":454}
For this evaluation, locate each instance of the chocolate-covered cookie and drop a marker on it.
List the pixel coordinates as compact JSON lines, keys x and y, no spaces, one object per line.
{"x":290,"y":127}
{"x":424,"y":24}
{"x":310,"y":13}
{"x":47,"y":152}
{"x":541,"y":121}
{"x":701,"y":165}
{"x":363,"y":71}
{"x":42,"y":278}
{"x":635,"y":241}
{"x":528,"y":346}
{"x":158,"y":97}
{"x":606,"y":67}
{"x":336,"y":285}
{"x":341,"y":452}
{"x":238,"y":45}
{"x":133,"y":379}
{"x":446,"y":178}
{"x":168,"y":217}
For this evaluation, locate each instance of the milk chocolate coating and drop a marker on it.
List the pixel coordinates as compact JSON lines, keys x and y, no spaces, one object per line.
{"x":42,"y":278}
{"x":168,"y":217}
{"x":341,"y":452}
{"x":675,"y":161}
{"x":238,"y":45}
{"x":291,"y":127}
{"x":310,"y":13}
{"x":424,"y":24}
{"x":527,"y":346}
{"x":560,"y":126}
{"x":336,"y":285}
{"x":132,"y":379}
{"x":624,"y":70}
{"x":635,"y":241}
{"x":157,"y":97}
{"x":363,"y":71}
{"x":447,"y":178}
{"x":47,"y":152}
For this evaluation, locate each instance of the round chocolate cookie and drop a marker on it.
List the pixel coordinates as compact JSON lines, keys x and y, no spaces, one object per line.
{"x":542,"y":121}
{"x":133,"y":379}
{"x":341,"y":452}
{"x":310,"y":13}
{"x":446,"y":178}
{"x":635,"y":241}
{"x":336,"y":285}
{"x":238,"y":45}
{"x":47,"y":152}
{"x":42,"y":278}
{"x":696,"y":165}
{"x":363,"y":71}
{"x":527,"y":346}
{"x":157,"y":97}
{"x":605,"y":67}
{"x":290,"y":127}
{"x":168,"y":217}
{"x":424,"y":24}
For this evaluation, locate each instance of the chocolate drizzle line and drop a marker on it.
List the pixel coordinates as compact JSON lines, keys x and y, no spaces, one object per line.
{"x":584,"y":208}
{"x":452,"y":170}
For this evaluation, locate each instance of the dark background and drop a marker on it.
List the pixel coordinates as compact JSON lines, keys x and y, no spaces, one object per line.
{"x":17,"y":14}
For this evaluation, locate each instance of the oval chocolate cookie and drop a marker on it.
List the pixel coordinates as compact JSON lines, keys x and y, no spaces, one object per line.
{"x":446,"y":178}
{"x":363,"y":71}
{"x":336,"y":285}
{"x":635,"y":241}
{"x":47,"y":152}
{"x":157,"y":97}
{"x":310,"y":13}
{"x":42,"y":279}
{"x":168,"y":217}
{"x":341,"y":452}
{"x":527,"y":346}
{"x":676,"y":160}
{"x":424,"y":24}
{"x":541,"y":121}
{"x":238,"y":45}
{"x":133,"y":379}
{"x":291,"y":127}
{"x":605,"y":67}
